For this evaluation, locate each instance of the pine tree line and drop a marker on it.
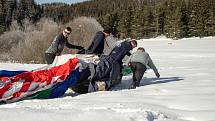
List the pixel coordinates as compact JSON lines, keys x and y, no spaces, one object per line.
{"x":18,"y":10}
{"x":127,"y":18}
{"x":145,"y":18}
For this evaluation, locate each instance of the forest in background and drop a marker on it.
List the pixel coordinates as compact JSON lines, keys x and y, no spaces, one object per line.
{"x":127,"y":18}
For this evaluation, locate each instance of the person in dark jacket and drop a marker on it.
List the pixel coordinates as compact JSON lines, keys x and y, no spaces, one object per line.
{"x":118,"y":53}
{"x":98,"y":42}
{"x":123,"y":49}
{"x":58,"y":44}
{"x":139,"y":61}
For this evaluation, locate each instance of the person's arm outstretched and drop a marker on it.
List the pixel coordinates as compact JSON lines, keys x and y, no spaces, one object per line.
{"x":151,"y":65}
{"x":73,"y":46}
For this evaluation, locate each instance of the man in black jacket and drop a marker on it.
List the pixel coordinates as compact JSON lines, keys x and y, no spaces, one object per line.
{"x":118,"y":53}
{"x":58,"y":44}
{"x":97,"y":45}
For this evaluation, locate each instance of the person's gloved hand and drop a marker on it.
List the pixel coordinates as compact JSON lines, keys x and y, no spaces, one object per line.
{"x":129,"y":64}
{"x":158,"y":75}
{"x":57,"y":54}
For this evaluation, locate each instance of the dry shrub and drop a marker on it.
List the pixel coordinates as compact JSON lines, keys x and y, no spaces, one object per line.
{"x":111,"y":43}
{"x":29,"y":43}
{"x":27,"y":26}
{"x":83,"y":31}
{"x":10,"y":39}
{"x":37,"y":40}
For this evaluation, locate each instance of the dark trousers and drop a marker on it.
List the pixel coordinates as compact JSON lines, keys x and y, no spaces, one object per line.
{"x":83,"y":82}
{"x":107,"y":70}
{"x":49,"y":58}
{"x":138,"y":70}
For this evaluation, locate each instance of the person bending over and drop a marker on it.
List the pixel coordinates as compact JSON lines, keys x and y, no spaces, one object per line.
{"x":138,"y":63}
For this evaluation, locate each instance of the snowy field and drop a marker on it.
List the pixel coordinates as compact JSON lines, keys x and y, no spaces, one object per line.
{"x":185,"y":91}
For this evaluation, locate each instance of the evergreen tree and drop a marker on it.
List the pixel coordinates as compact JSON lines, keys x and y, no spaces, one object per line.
{"x":112,"y":21}
{"x":122,"y":25}
{"x":2,"y":16}
{"x":136,"y":25}
{"x":125,"y":23}
{"x":210,"y":21}
{"x":150,"y":23}
{"x":10,"y":5}
{"x":161,"y":16}
{"x":19,"y":12}
{"x":198,"y":18}
{"x":193,"y":18}
{"x":184,"y":19}
{"x":174,"y":25}
{"x":141,"y":21}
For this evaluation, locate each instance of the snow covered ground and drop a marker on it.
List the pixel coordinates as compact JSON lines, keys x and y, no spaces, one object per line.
{"x":185,"y":91}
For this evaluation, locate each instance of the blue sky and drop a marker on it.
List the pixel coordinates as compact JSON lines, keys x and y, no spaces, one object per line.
{"x":63,"y":1}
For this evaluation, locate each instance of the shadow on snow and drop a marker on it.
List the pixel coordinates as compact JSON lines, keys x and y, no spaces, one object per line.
{"x":126,"y":84}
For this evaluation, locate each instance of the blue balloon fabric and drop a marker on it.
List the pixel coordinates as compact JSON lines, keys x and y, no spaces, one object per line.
{"x":5,"y":73}
{"x":59,"y":89}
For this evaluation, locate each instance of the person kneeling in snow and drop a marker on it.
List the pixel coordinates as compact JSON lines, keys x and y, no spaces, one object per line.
{"x":138,"y":63}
